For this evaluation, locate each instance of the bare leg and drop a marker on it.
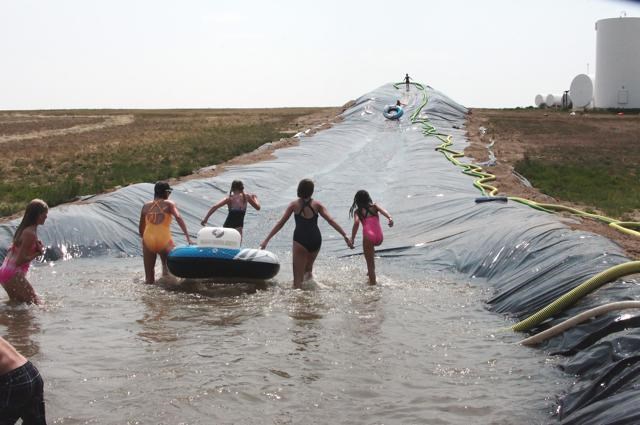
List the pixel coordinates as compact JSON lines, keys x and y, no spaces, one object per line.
{"x":300,"y":259}
{"x":163,"y":260}
{"x":149,"y":259}
{"x":19,"y":289}
{"x":369,"y":253}
{"x":308,"y":269}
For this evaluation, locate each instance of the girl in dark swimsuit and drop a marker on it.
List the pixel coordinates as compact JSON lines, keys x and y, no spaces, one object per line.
{"x":306,"y":236}
{"x":237,"y":202}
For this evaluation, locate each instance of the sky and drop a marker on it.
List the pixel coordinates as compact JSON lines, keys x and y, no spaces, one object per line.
{"x":68,"y":54}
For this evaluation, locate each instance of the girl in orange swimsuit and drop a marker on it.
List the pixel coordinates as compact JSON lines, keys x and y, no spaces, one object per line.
{"x":25,"y":248}
{"x":155,"y":230}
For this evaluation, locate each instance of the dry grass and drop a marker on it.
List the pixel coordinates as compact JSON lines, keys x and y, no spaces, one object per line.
{"x":587,"y":160}
{"x":58,"y":155}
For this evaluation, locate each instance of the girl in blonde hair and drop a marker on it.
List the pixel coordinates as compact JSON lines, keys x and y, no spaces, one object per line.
{"x":24,"y":248}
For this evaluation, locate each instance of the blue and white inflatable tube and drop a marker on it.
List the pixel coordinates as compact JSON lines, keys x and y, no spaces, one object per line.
{"x":199,"y":262}
{"x":218,"y":256}
{"x":392,"y":112}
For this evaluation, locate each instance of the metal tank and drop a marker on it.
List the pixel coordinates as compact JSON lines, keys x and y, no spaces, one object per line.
{"x":581,"y":91}
{"x":539,"y":100}
{"x":554,"y":100}
{"x":617,"y":63}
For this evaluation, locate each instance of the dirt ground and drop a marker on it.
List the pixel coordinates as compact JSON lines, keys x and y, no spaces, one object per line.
{"x":515,"y":133}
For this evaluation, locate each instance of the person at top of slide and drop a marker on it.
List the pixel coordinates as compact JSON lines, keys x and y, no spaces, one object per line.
{"x":155,"y":230}
{"x":237,"y":203}
{"x":365,"y":211}
{"x":407,"y":80}
{"x":25,"y":247}
{"x":306,"y":236}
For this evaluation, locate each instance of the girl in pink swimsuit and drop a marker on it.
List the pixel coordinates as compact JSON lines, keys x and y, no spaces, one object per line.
{"x":23,"y":250}
{"x":365,"y":211}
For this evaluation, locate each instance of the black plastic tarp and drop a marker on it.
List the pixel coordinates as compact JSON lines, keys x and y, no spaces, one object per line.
{"x":529,"y":257}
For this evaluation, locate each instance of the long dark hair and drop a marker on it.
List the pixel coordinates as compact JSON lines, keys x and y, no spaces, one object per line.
{"x":31,"y":214}
{"x":236,"y":186}
{"x":360,"y":201}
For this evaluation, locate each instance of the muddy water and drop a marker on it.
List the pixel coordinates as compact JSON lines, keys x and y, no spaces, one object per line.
{"x":417,"y":348}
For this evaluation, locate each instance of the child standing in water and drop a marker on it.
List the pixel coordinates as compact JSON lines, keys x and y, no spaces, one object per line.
{"x":365,"y":211}
{"x":155,"y":230}
{"x":237,"y":203}
{"x":25,"y":248}
{"x":307,"y":239}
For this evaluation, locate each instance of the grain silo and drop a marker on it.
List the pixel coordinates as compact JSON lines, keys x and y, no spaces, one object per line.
{"x":539,"y":101}
{"x":617,"y":63}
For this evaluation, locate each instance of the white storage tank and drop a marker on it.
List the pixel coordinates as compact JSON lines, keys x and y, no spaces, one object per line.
{"x":617,"y":63}
{"x":581,"y":91}
{"x":539,"y":100}
{"x":553,"y":100}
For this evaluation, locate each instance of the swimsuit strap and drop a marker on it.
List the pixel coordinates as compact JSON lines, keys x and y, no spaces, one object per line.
{"x":243,"y":207}
{"x":151,"y":215}
{"x":367,"y":212}
{"x":307,"y":204}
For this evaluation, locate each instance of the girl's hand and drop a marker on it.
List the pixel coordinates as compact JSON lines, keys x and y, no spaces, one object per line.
{"x":39,"y":247}
{"x":390,"y":222}
{"x":262,"y":245}
{"x":203,"y":223}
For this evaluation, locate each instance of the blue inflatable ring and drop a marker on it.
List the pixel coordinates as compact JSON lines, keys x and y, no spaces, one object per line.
{"x":392,"y":112}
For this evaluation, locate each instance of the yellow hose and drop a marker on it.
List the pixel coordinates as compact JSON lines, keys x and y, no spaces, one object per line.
{"x":483,"y":177}
{"x":481,"y":182}
{"x":578,"y":292}
{"x":577,"y":319}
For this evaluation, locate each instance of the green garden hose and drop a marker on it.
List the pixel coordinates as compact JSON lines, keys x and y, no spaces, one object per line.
{"x":481,"y":182}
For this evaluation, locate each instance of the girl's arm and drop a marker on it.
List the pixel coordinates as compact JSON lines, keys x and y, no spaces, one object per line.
{"x":173,"y":209}
{"x":325,"y":214}
{"x":279,"y":225}
{"x":253,"y":200}
{"x":143,"y":223}
{"x":354,"y":230}
{"x":213,"y":209}
{"x":384,"y":213}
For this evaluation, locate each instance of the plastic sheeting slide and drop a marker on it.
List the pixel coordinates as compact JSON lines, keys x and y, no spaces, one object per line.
{"x":529,"y":257}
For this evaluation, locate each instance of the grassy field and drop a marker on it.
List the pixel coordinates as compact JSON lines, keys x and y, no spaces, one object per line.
{"x":59,"y":155}
{"x":586,"y":158}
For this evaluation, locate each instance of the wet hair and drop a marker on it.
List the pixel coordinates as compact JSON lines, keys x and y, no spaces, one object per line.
{"x":305,"y":188}
{"x":31,"y":214}
{"x":360,"y":201}
{"x":161,"y":190}
{"x":236,"y":186}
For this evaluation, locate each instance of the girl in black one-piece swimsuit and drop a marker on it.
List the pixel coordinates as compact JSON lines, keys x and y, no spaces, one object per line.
{"x":306,"y":236}
{"x":307,"y":232}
